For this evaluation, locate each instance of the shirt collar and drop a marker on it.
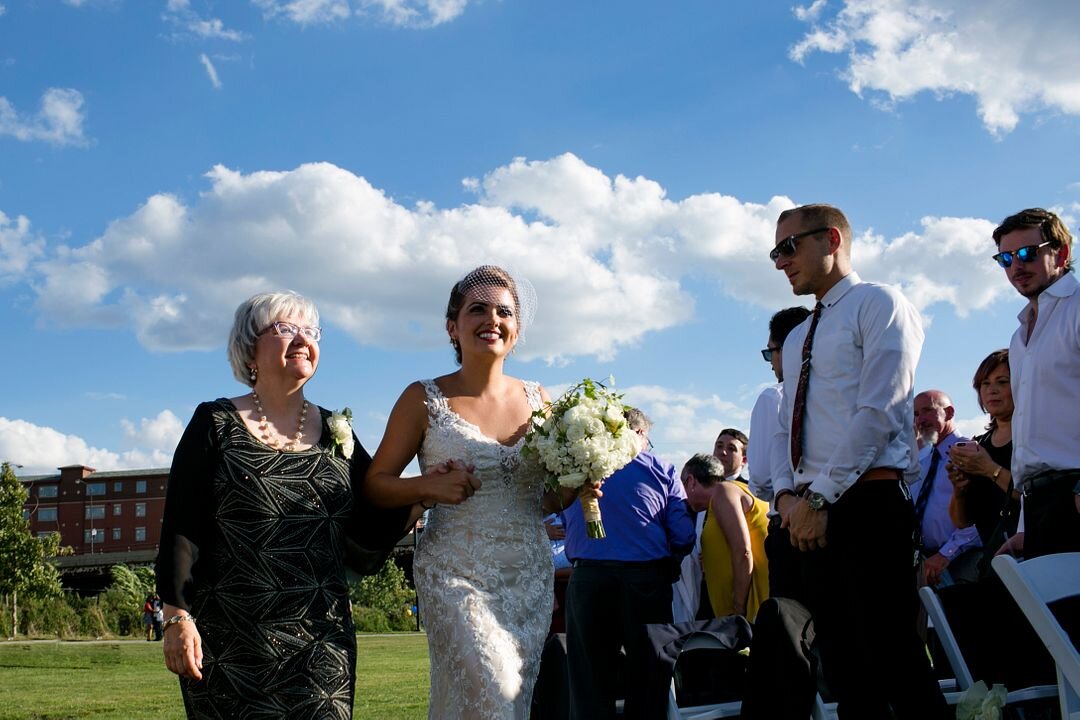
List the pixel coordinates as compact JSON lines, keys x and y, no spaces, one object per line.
{"x":840,"y":289}
{"x":1063,"y":287}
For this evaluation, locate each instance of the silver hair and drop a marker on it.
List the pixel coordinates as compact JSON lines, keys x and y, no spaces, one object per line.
{"x":253,"y":317}
{"x":637,"y":419}
{"x":706,"y":469}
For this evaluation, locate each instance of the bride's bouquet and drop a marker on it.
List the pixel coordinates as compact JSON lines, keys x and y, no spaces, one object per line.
{"x":582,"y":438}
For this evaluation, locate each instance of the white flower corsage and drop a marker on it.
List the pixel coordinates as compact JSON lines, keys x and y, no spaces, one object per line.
{"x":340,"y":424}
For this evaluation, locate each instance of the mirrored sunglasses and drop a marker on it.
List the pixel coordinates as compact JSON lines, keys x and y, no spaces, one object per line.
{"x":1025,"y":254}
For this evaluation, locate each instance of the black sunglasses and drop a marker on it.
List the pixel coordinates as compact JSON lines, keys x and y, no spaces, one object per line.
{"x":767,"y":353}
{"x":1025,"y":254}
{"x":786,"y":247}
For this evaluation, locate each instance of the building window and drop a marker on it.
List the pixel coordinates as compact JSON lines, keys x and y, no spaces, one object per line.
{"x":116,"y":533}
{"x":46,"y":533}
{"x":140,"y":486}
{"x":117,"y":509}
{"x":95,"y":512}
{"x":140,"y":509}
{"x":118,"y":486}
{"x":25,"y":514}
{"x":95,"y":488}
{"x":47,"y":491}
{"x":46,"y":514}
{"x":93,"y":535}
{"x":140,"y":534}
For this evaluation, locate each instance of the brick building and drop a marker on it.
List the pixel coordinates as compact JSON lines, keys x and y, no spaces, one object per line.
{"x":105,"y":517}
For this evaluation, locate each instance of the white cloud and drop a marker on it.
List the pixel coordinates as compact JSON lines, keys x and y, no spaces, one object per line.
{"x":970,"y":427}
{"x":42,"y":449}
{"x":305,"y":12}
{"x":685,"y":423}
{"x":161,"y":433}
{"x":59,"y":121}
{"x":17,"y":247}
{"x":1014,"y":58}
{"x":211,"y":71}
{"x":403,"y":13}
{"x":612,"y":259}
{"x":179,"y":13}
{"x":2,"y":10}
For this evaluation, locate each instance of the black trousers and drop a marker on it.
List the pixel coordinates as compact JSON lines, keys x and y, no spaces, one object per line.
{"x":861,"y":592}
{"x":1052,"y":525}
{"x":608,"y":605}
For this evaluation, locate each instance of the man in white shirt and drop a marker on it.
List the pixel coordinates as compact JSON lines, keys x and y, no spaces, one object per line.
{"x":1035,"y":248}
{"x":940,"y":541}
{"x":839,"y":464}
{"x":764,"y":425}
{"x":730,"y":450}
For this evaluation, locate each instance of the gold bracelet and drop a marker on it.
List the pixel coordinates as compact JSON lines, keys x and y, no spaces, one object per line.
{"x":996,"y":473}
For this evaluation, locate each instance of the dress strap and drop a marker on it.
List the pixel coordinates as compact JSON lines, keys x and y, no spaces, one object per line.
{"x":436,"y":402}
{"x":532,"y":392}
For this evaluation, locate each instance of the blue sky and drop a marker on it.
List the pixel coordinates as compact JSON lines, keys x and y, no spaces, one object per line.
{"x":161,"y":161}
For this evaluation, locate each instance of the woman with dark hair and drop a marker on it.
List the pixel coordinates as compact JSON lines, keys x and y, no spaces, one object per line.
{"x":260,"y":514}
{"x":983,"y":492}
{"x":483,"y":567}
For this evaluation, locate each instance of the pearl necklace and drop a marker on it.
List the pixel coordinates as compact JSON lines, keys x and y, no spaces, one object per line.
{"x":264,"y":426}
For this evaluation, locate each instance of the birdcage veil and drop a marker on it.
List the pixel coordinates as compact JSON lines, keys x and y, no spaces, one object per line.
{"x":487,"y":283}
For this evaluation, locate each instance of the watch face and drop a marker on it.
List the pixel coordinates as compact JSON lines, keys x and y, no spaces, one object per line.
{"x":816,"y":501}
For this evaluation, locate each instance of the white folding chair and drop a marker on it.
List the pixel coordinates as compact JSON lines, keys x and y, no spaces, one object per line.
{"x":701,"y":712}
{"x":1034,"y":583}
{"x":964,"y":680}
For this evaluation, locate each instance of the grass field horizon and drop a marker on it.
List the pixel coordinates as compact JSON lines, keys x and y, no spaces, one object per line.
{"x":127,"y":680}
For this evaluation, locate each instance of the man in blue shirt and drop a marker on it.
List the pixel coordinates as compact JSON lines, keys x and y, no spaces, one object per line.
{"x":623,"y":581}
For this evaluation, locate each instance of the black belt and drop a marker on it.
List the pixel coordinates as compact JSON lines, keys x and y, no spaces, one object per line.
{"x":1046,"y":478}
{"x":661,"y":564}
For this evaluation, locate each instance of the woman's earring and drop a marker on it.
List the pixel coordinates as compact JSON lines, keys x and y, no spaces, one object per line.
{"x":254,"y":375}
{"x":454,"y":343}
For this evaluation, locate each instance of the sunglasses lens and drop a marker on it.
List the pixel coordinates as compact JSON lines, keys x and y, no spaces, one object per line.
{"x":1026,"y":254}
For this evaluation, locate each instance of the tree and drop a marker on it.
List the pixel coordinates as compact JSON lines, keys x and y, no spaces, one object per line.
{"x":24,"y":559}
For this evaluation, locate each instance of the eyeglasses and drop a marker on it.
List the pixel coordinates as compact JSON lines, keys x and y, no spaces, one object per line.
{"x":1025,"y":254}
{"x":288,"y":330}
{"x":786,"y":247}
{"x":767,"y":353}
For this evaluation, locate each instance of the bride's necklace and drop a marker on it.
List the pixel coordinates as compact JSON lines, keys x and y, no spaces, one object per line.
{"x":264,"y":426}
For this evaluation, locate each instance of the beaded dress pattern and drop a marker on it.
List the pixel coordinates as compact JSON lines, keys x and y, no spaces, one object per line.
{"x":483,"y":573}
{"x":278,"y":636}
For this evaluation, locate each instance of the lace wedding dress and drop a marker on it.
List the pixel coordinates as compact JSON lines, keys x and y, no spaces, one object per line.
{"x":483,"y":573}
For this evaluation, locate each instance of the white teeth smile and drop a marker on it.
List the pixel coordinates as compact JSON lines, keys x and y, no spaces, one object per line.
{"x":489,"y":335}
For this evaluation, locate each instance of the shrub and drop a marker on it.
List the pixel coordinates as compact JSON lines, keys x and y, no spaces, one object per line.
{"x":385,"y":594}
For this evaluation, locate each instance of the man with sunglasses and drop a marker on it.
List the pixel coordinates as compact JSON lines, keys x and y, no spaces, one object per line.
{"x":839,"y":463}
{"x":1035,"y":249}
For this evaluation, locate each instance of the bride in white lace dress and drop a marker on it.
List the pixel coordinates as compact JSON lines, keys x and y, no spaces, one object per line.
{"x":483,"y":568}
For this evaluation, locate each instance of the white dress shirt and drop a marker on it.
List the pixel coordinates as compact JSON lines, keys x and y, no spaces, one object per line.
{"x":860,"y":401}
{"x":764,"y":424}
{"x":1045,"y":377}
{"x":686,"y":591}
{"x":939,"y":534}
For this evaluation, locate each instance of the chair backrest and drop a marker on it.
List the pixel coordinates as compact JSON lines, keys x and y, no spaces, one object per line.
{"x":949,"y":644}
{"x":1036,"y":582}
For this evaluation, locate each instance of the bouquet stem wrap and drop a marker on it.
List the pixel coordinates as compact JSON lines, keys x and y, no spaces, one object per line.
{"x":582,"y":438}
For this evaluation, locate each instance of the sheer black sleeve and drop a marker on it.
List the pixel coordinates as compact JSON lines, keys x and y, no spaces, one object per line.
{"x":372,"y":532}
{"x":185,"y":527}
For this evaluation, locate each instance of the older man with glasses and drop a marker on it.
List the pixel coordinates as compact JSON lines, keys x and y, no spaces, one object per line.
{"x":1035,"y":249}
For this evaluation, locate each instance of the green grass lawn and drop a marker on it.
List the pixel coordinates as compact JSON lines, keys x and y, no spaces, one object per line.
{"x":127,"y":680}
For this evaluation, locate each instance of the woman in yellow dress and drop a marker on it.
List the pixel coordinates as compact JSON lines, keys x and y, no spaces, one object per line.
{"x":732,"y":539}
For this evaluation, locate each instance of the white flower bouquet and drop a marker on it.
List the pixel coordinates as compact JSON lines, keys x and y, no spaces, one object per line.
{"x":582,"y":438}
{"x":340,"y":424}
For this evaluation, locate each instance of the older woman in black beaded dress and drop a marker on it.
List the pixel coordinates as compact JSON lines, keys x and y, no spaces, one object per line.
{"x":260,"y":516}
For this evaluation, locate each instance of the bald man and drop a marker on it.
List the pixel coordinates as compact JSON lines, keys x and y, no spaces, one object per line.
{"x":942,"y":544}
